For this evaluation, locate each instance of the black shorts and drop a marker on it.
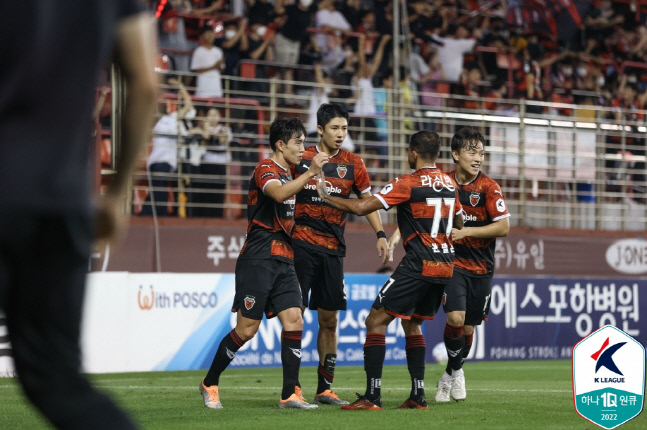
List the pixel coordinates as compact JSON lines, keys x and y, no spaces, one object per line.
{"x":321,"y":277}
{"x":265,"y":286}
{"x":404,"y":296}
{"x":469,"y":294}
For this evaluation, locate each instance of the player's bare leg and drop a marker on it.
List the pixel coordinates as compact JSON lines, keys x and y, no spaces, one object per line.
{"x":327,"y":349}
{"x":415,"y":347}
{"x":374,"y":351}
{"x":292,"y":333}
{"x":245,"y":329}
{"x":452,"y":383}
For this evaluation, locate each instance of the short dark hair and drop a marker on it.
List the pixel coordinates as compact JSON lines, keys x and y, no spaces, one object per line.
{"x":283,"y":128}
{"x":466,"y":138}
{"x":329,"y":111}
{"x":426,"y":143}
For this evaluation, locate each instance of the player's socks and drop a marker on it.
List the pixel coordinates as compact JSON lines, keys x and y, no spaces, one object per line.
{"x":227,"y":349}
{"x":415,"y":347}
{"x":374,"y":351}
{"x":326,"y":373}
{"x":291,"y":359}
{"x":468,"y":345}
{"x":454,"y":343}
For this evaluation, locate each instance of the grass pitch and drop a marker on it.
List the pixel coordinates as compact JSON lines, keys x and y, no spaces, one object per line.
{"x":500,"y":395}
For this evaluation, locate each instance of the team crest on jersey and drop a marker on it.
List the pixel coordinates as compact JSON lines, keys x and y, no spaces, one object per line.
{"x":341,"y":170}
{"x":249,"y":302}
{"x":474,"y":199}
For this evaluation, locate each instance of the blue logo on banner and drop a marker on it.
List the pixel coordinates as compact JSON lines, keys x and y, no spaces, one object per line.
{"x":265,"y":348}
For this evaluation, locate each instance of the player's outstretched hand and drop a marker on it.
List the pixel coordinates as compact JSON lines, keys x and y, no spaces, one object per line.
{"x":317,"y":162}
{"x":393,"y":242}
{"x":322,"y":190}
{"x":459,"y":234}
{"x":384,"y":251}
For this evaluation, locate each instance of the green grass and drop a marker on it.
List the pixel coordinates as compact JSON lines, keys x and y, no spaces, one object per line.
{"x":500,"y":395}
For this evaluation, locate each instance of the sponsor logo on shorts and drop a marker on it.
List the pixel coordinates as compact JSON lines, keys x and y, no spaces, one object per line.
{"x":249,"y":302}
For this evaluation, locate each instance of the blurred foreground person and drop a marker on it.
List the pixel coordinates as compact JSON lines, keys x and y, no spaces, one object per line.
{"x":47,"y":85}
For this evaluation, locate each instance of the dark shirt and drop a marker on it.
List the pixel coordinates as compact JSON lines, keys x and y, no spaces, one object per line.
{"x":297,"y":22}
{"x":46,"y":99}
{"x":261,"y":12}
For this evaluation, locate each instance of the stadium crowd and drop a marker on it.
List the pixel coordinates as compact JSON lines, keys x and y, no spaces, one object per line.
{"x":593,"y":53}
{"x":483,"y":53}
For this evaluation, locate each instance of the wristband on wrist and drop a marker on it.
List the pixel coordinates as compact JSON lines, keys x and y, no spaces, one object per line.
{"x":381,"y":234}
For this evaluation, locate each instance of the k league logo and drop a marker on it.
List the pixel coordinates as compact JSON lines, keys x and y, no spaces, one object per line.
{"x":608,"y":377}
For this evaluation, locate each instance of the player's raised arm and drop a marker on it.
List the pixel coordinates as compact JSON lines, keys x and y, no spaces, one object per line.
{"x":280,"y":192}
{"x":355,"y":206}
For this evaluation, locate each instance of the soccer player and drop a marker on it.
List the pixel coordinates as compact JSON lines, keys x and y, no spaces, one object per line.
{"x":318,"y":237}
{"x":428,"y":208}
{"x":47,"y":89}
{"x":467,"y":296}
{"x":266,"y":281}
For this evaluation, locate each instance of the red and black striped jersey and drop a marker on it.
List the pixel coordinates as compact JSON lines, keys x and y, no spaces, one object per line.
{"x":483,"y":203}
{"x":427,"y":202}
{"x":270,"y":223}
{"x":319,"y":225}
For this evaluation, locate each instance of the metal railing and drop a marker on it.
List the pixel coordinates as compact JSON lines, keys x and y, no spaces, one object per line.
{"x":583,"y":171}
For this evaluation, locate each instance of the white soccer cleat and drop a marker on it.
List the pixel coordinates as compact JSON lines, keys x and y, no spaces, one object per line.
{"x":295,"y":402}
{"x":458,"y":387}
{"x":444,"y":386}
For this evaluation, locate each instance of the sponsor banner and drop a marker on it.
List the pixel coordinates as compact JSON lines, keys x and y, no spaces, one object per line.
{"x":542,"y":318}
{"x":192,"y":246}
{"x":608,"y":377}
{"x":175,"y":321}
{"x":170,"y":321}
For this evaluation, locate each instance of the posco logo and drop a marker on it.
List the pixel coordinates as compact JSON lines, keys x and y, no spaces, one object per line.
{"x":628,"y":256}
{"x":148,"y":299}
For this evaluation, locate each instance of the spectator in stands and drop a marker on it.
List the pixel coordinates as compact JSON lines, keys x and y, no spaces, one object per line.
{"x":260,"y":42}
{"x":452,"y":47}
{"x":363,"y":94}
{"x":233,"y":44}
{"x":599,"y":24}
{"x":206,"y":7}
{"x":208,"y":61}
{"x":470,"y":87}
{"x":628,"y":111}
{"x":331,"y":43}
{"x":216,"y":138}
{"x":287,"y":44}
{"x":498,"y":91}
{"x":260,"y":12}
{"x":430,"y":86}
{"x":172,"y":31}
{"x":164,"y":154}
{"x":352,"y":11}
{"x":318,"y":97}
{"x":421,"y":20}
{"x":533,"y":62}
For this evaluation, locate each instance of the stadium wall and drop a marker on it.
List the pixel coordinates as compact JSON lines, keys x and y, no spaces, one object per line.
{"x":552,"y":288}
